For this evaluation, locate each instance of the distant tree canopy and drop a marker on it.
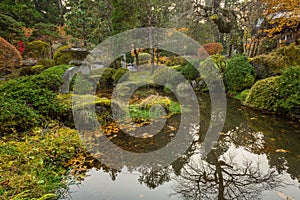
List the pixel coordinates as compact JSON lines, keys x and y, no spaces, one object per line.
{"x":31,"y":12}
{"x":10,"y":29}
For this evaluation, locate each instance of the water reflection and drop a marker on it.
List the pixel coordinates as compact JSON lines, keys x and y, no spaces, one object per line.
{"x":257,"y":157}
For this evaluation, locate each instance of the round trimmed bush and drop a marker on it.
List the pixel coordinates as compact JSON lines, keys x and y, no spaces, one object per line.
{"x":264,"y":94}
{"x":239,"y":75}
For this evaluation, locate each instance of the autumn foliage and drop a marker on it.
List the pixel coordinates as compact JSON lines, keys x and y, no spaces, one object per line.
{"x":280,"y":15}
{"x":10,"y":57}
{"x":210,"y":49}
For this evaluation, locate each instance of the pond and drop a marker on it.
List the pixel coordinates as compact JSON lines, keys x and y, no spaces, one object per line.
{"x":257,"y":156}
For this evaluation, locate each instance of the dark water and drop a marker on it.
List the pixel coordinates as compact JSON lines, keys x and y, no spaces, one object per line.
{"x":256,"y":157}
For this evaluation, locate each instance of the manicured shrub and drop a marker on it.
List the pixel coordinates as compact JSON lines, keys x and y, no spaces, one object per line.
{"x":239,"y":75}
{"x":10,"y":57}
{"x":16,"y":117}
{"x":291,"y":55}
{"x":37,"y":50}
{"x":279,"y":93}
{"x":25,"y":71}
{"x":106,"y":78}
{"x":264,"y":94}
{"x":220,"y":62}
{"x":36,"y":96}
{"x":276,"y":62}
{"x":47,"y":63}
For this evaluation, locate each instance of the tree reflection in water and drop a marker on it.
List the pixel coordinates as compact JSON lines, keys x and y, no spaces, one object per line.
{"x":228,"y":178}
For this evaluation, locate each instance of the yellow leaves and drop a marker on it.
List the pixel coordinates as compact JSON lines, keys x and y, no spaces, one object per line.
{"x":282,"y":151}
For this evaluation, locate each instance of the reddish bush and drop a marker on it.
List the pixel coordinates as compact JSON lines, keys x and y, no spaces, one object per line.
{"x":211,"y":49}
{"x":10,"y":57}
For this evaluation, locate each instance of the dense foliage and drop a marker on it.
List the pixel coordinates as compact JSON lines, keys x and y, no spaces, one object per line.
{"x":32,"y":99}
{"x":279,"y":93}
{"x":274,"y":63}
{"x":239,"y":75}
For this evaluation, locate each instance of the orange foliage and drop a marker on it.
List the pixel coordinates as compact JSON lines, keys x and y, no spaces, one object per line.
{"x":210,"y":49}
{"x":281,"y":14}
{"x":10,"y":57}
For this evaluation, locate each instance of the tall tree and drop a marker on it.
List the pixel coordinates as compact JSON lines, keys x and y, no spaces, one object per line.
{"x":89,"y":20}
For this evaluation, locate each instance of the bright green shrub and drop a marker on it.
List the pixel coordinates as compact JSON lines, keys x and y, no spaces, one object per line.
{"x":264,"y":94}
{"x":10,"y":57}
{"x":119,"y":74}
{"x":243,"y":95}
{"x":289,"y":84}
{"x":38,"y":94}
{"x":239,"y":75}
{"x":220,"y":61}
{"x":25,"y":71}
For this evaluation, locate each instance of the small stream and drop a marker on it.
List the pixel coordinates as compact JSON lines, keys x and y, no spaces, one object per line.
{"x":257,"y":157}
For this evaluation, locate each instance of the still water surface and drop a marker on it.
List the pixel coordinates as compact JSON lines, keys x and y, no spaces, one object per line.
{"x":257,"y":157}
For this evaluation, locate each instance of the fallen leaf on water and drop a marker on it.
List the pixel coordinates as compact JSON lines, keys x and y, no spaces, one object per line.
{"x":282,"y":151}
{"x":283,"y":196}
